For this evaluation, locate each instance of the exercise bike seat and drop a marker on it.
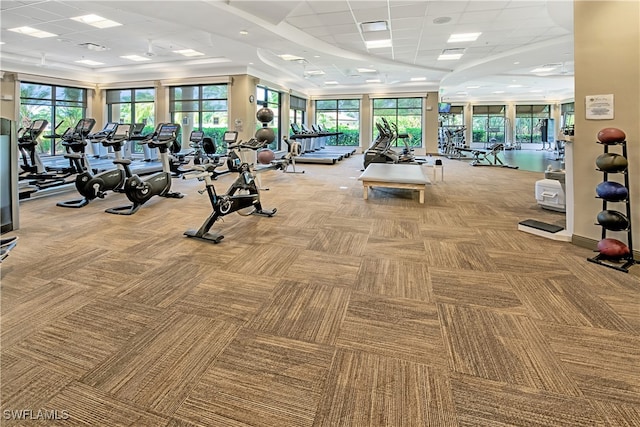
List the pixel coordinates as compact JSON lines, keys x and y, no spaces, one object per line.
{"x":122,"y":161}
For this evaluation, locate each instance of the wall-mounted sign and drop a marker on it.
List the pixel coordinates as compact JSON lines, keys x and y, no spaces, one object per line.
{"x":599,"y":107}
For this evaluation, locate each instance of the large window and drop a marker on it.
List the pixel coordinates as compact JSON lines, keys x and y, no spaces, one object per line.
{"x":59,"y":105}
{"x":297,"y":110}
{"x":567,"y":118}
{"x":405,"y":113}
{"x":488,"y":124}
{"x":132,"y":106}
{"x":340,"y":115}
{"x":528,"y":123}
{"x":454,"y":118}
{"x":200,"y":107}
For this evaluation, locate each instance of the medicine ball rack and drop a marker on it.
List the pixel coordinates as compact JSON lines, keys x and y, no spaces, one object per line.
{"x":625,"y":262}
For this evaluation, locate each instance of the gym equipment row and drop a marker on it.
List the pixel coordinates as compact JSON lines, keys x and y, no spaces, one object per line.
{"x":35,"y":176}
{"x":314,"y":148}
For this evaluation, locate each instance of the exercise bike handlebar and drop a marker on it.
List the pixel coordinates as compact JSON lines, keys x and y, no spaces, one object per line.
{"x":252,"y":144}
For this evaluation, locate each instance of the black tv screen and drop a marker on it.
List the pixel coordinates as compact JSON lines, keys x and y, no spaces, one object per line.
{"x":444,"y":107}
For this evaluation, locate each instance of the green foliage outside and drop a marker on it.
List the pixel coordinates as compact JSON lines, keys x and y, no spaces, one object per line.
{"x":36,"y":103}
{"x":481,"y":136}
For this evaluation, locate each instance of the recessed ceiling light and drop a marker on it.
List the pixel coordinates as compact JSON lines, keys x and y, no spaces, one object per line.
{"x":288,"y":57}
{"x":331,"y":82}
{"x":516,"y":63}
{"x":463,"y":37}
{"x":188,"y":52}
{"x":373,"y":81}
{"x":365,"y":70}
{"x":418,"y":79}
{"x":374,"y":26}
{"x":536,"y":91}
{"x":473,"y":87}
{"x":377,"y":44}
{"x":33,"y":32}
{"x":136,"y":58}
{"x":498,"y":91}
{"x":244,"y":32}
{"x":89,"y":62}
{"x":449,"y":56}
{"x":314,"y":72}
{"x":514,"y":86}
{"x":96,"y":21}
{"x":542,"y":69}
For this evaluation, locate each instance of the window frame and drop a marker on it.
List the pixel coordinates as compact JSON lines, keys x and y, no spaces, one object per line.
{"x":342,"y":107}
{"x":416,"y":137}
{"x":51,"y":147}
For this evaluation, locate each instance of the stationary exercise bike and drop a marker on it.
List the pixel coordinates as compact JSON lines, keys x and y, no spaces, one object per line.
{"x":91,"y":186}
{"x":204,"y":148}
{"x":243,"y":196}
{"x":139,"y":191}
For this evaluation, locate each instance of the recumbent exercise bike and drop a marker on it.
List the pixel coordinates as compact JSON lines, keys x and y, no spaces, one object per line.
{"x":91,"y":186}
{"x":139,"y":191}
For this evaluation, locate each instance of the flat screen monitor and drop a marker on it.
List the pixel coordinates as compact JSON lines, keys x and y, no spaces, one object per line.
{"x":444,"y":107}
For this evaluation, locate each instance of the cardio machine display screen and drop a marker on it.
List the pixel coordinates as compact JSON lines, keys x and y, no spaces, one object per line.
{"x":196,"y":136}
{"x":230,"y":137}
{"x":168,"y":131}
{"x":122,"y":129}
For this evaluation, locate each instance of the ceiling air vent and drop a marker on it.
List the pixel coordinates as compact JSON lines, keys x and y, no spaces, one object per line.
{"x":94,"y":47}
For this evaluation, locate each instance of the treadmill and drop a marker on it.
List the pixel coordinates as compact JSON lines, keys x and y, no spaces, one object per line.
{"x":311,"y":151}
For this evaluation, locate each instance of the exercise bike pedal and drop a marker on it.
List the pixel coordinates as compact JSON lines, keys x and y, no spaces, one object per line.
{"x":173,"y":195}
{"x":268,"y":213}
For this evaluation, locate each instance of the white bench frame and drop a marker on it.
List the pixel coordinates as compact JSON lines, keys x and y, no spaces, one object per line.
{"x":392,"y":175}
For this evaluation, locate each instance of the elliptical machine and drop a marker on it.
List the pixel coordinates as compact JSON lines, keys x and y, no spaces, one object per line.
{"x":381,"y":150}
{"x":139,"y":191}
{"x":91,"y":186}
{"x":243,"y":196}
{"x":27,"y":141}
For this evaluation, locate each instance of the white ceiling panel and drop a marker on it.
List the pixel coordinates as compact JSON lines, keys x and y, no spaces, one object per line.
{"x":370,"y":15}
{"x":324,"y":28}
{"x":329,"y":6}
{"x":414,"y":10}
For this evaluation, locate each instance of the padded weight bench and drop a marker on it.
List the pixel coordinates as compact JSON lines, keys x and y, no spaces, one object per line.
{"x":488,"y":157}
{"x":392,"y":175}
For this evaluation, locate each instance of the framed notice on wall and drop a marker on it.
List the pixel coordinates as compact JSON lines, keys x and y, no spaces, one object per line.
{"x":599,"y":107}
